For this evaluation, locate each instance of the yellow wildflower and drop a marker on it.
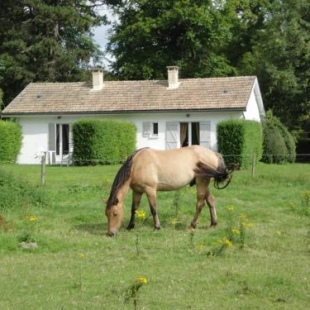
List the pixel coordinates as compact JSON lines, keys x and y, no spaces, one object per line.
{"x":201,"y":247}
{"x":227,"y":242}
{"x":81,"y":255}
{"x":231,"y":208}
{"x":141,"y":280}
{"x":32,"y":218}
{"x":235,"y":231}
{"x":141,"y":215}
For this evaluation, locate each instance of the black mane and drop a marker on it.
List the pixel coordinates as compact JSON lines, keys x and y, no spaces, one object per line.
{"x":120,"y":179}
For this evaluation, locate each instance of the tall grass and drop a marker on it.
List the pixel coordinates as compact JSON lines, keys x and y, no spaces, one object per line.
{"x":258,"y":257}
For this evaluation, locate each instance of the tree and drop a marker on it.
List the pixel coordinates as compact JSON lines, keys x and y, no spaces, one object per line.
{"x":151,"y":35}
{"x":46,"y":40}
{"x":283,"y":54}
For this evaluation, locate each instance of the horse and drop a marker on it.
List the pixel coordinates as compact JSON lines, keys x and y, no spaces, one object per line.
{"x":149,"y":170}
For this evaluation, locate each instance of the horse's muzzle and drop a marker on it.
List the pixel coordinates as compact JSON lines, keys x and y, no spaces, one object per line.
{"x":112,"y":233}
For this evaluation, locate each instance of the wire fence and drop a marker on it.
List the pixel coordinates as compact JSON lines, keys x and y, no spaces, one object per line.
{"x":249,"y":158}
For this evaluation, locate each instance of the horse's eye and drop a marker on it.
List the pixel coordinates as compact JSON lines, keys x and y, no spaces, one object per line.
{"x":114,"y":214}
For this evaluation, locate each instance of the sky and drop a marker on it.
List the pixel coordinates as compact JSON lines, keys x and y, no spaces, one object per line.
{"x":101,"y":33}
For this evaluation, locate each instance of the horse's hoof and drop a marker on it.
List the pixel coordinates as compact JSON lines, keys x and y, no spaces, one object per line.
{"x":156,"y":228}
{"x":213,"y":225}
{"x":130,"y":226}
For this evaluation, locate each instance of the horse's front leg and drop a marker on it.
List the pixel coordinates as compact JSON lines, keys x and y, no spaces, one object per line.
{"x":136,"y":200}
{"x":151,"y":196}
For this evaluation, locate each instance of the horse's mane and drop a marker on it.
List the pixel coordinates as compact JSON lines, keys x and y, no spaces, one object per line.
{"x":220,"y":174}
{"x":120,"y":179}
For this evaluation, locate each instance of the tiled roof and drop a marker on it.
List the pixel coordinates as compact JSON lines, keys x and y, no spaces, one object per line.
{"x":133,"y":96}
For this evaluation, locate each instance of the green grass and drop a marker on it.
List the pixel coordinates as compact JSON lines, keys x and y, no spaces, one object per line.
{"x":76,"y":266}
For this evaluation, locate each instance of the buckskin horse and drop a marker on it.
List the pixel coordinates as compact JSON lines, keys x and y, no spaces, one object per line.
{"x":148,"y":171}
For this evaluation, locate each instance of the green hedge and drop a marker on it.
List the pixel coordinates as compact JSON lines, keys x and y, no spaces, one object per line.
{"x":10,"y":141}
{"x":238,"y":140}
{"x":102,"y":141}
{"x":279,"y":144}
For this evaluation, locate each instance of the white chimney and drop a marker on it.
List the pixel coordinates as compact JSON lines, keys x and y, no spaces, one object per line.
{"x":173,"y":77}
{"x":97,"y":79}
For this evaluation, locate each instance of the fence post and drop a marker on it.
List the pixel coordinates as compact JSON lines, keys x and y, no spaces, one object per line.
{"x":253,"y":164}
{"x":43,"y":158}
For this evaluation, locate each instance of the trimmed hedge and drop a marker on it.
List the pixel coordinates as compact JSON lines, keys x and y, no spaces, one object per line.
{"x":238,"y":140}
{"x":10,"y":141}
{"x":102,"y":141}
{"x":279,"y":144}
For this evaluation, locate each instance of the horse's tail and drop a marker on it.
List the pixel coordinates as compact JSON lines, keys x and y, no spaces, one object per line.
{"x":120,"y":179}
{"x":220,"y":175}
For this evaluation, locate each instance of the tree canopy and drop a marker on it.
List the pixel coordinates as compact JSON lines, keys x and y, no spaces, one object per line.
{"x":46,"y":40}
{"x":267,"y":38}
{"x":51,"y":40}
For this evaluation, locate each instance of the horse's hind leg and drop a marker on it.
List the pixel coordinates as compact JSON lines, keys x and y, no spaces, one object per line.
{"x":203,"y":194}
{"x":199,"y":205}
{"x":211,"y":203}
{"x":136,"y":199}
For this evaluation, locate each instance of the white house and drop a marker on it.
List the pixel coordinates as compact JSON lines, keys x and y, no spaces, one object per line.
{"x":168,"y":114}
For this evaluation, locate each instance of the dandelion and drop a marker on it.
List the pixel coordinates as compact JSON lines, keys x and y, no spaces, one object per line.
{"x":141,"y":215}
{"x":227,"y":243}
{"x":141,"y":280}
{"x":235,"y":231}
{"x":32,"y":218}
{"x":231,"y":208}
{"x":133,"y":290}
{"x":201,"y":248}
{"x":244,"y":221}
{"x":81,"y":255}
{"x":174,"y":221}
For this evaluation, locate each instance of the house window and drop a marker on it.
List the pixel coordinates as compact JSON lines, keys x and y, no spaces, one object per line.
{"x":189,"y":133}
{"x":150,"y":129}
{"x":155,"y":129}
{"x":62,"y":139}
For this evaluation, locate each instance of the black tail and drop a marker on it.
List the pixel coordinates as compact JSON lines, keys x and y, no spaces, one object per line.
{"x":220,"y":175}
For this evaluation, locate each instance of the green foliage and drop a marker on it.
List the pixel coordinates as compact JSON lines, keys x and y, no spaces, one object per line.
{"x":102,"y":141}
{"x":149,"y":35}
{"x":238,"y":140}
{"x":46,"y":41}
{"x":279,"y":145}
{"x":283,"y":69}
{"x":16,"y":193}
{"x":10,"y":141}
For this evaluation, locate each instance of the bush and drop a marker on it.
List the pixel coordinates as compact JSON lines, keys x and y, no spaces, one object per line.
{"x":238,"y":140}
{"x":279,"y":145}
{"x":10,"y":141}
{"x":102,"y":141}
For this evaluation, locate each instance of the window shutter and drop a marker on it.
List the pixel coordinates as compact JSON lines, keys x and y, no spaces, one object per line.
{"x":146,"y":131}
{"x":172,"y":135}
{"x":205,"y":134}
{"x":52,"y":137}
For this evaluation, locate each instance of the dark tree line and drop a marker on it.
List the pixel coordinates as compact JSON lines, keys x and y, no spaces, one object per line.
{"x":51,"y":40}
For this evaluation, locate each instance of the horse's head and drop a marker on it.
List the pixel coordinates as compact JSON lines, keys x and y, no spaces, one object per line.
{"x":115,"y":215}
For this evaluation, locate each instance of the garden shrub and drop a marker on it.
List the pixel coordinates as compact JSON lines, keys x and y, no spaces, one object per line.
{"x":238,"y":140}
{"x":279,"y":145}
{"x":102,"y":141}
{"x":10,"y":141}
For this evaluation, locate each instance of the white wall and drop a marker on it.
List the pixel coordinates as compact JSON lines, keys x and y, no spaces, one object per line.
{"x":35,"y":129}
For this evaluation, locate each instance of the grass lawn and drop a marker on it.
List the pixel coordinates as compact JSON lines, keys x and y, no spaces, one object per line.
{"x":258,"y":257}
